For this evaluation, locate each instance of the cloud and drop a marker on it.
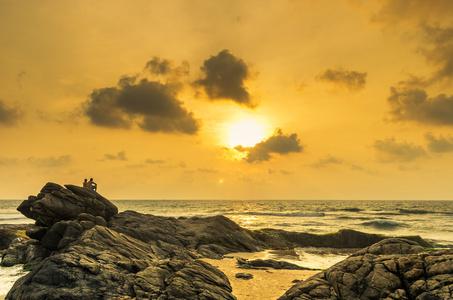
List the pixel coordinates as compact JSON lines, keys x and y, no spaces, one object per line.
{"x":7,"y":161}
{"x":50,"y":161}
{"x":160,"y":66}
{"x":9,"y":116}
{"x":351,"y":80}
{"x":432,"y":24}
{"x":414,"y":11}
{"x":327,"y":161}
{"x":224,"y":77}
{"x":277,"y":143}
{"x":389,"y":150}
{"x":439,"y":145}
{"x":440,"y":54}
{"x":155,"y":161}
{"x":414,"y":105}
{"x":207,"y":170}
{"x":119,"y":156}
{"x":152,"y":105}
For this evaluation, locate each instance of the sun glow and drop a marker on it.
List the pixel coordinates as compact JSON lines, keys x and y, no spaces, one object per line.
{"x":246,"y":133}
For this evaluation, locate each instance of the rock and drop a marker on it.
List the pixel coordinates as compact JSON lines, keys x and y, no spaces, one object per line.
{"x":105,"y":264}
{"x":210,"y":237}
{"x":56,"y":203}
{"x":245,"y":276}
{"x":9,"y":232}
{"x":68,"y":230}
{"x":390,"y":269}
{"x":345,"y":238}
{"x":267,"y":263}
{"x":23,"y":251}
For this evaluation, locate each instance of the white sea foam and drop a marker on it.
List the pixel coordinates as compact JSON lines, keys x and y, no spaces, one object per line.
{"x":9,"y":275}
{"x":318,"y":259}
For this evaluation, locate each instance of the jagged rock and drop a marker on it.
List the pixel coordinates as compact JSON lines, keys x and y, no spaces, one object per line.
{"x":211,"y":237}
{"x":67,"y":230}
{"x":390,"y":269}
{"x":245,"y":276}
{"x":9,"y":232}
{"x":345,"y":238}
{"x":267,"y":263}
{"x":105,"y":264}
{"x":22,"y":251}
{"x":56,"y":203}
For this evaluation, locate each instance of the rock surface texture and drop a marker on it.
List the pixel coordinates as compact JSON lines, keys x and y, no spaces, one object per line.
{"x":390,"y":269}
{"x":55,"y":203}
{"x":82,"y":248}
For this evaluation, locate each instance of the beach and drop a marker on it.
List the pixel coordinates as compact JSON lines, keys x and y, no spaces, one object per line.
{"x":265,"y":284}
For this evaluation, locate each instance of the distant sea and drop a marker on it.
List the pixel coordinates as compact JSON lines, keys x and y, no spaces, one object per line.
{"x":432,"y":220}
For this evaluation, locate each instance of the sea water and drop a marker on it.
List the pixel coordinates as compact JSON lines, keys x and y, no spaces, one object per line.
{"x":432,"y":220}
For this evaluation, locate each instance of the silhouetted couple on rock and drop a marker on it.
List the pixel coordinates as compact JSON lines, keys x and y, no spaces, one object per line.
{"x":90,"y":184}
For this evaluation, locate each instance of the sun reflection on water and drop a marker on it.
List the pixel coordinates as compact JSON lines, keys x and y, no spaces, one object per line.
{"x":246,"y":221}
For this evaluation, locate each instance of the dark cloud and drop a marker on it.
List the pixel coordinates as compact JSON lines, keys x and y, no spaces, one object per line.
{"x":50,"y":161}
{"x":119,"y":156}
{"x":392,"y":12}
{"x":152,"y":105}
{"x":224,"y":79}
{"x":351,"y":80}
{"x":160,"y":66}
{"x":9,"y":116}
{"x":277,"y":143}
{"x":389,"y":150}
{"x":439,"y":145}
{"x":414,"y":104}
{"x":438,"y":50}
{"x":327,"y":161}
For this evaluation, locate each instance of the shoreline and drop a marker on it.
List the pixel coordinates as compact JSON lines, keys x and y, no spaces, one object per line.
{"x":277,"y":282}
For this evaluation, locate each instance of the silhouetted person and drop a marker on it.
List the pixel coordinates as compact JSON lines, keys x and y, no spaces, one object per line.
{"x":86,"y":184}
{"x":93,"y":185}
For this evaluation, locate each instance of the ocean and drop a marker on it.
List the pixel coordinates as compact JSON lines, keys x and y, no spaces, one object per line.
{"x":432,"y":220}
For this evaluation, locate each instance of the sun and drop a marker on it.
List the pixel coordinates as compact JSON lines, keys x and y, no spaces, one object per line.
{"x":245,"y":133}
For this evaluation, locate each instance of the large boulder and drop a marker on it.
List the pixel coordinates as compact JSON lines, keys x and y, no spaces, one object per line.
{"x":210,"y":237}
{"x":105,"y":264}
{"x":390,"y":269}
{"x":56,"y":203}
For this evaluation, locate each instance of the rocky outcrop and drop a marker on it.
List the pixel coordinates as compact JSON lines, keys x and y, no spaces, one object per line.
{"x":24,"y":251}
{"x":391,"y":269}
{"x":56,"y":203}
{"x":263,"y":264}
{"x":105,"y":264}
{"x":9,"y":232}
{"x":210,"y":237}
{"x":345,"y":238}
{"x":85,"y":249}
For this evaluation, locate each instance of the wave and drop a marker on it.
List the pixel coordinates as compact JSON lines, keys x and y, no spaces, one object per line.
{"x":353,"y":218}
{"x":9,"y":218}
{"x":383,"y":224}
{"x":276,"y":214}
{"x":416,"y":211}
{"x":351,"y":209}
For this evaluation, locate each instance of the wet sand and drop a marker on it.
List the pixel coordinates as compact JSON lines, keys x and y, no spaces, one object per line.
{"x":267,"y":284}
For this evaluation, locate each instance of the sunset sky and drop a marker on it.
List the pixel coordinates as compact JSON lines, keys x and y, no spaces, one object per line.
{"x":309,"y":99}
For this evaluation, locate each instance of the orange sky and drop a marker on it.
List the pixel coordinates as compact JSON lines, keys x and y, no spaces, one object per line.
{"x":228,"y":99}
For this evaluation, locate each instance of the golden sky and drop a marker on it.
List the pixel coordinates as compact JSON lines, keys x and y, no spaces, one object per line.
{"x":309,"y":99}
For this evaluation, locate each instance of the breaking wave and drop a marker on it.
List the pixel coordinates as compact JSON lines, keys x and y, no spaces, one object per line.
{"x":384,"y":224}
{"x":276,"y":214}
